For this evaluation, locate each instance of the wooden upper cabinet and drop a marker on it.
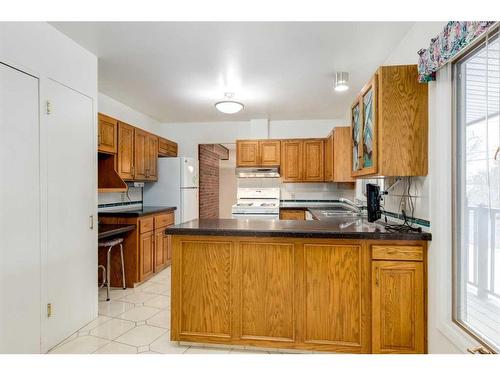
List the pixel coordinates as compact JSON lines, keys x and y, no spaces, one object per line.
{"x":313,"y":160}
{"x":398,"y":307}
{"x":152,"y":158}
{"x":291,"y":160}
{"x":269,"y":153}
{"x":125,"y":151}
{"x":389,"y":124}
{"x":258,"y":153}
{"x":247,"y":153}
{"x":107,"y":140}
{"x":167,"y":148}
{"x":341,"y":155}
{"x":329,"y":143}
{"x":141,"y":154}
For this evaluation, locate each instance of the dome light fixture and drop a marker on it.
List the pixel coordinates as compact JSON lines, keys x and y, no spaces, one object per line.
{"x":341,"y":79}
{"x":228,"y":105}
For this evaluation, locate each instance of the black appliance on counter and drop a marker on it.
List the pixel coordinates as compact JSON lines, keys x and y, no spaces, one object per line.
{"x":373,"y":202}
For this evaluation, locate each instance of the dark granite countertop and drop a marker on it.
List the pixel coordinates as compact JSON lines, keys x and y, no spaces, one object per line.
{"x":109,"y":230}
{"x":145,"y":210}
{"x":338,"y":227}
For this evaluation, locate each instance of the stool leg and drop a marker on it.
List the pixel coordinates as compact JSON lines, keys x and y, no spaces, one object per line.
{"x":123,"y":267}
{"x":108,"y":270}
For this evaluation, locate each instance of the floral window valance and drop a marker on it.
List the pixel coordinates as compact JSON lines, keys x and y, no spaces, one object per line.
{"x":455,"y":36}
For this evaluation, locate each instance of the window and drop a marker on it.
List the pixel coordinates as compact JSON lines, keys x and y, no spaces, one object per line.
{"x":477,"y":193}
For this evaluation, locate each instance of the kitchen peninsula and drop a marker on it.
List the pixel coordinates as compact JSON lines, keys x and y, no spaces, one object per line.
{"x":341,"y":285}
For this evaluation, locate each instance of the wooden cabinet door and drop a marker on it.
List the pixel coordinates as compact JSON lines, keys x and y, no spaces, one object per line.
{"x":107,"y":140}
{"x":247,"y":153}
{"x":292,"y":214}
{"x":291,"y":160}
{"x":269,"y":153}
{"x":146,"y":254}
{"x":125,"y":151}
{"x":161,"y":244}
{"x":342,"y":155}
{"x":268,"y":291}
{"x":336,"y":304}
{"x":313,"y":164}
{"x":152,"y":169}
{"x":398,"y":307}
{"x":141,"y":154}
{"x":329,"y":144}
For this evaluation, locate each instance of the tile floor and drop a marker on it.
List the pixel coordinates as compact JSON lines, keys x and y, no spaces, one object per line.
{"x":136,"y":321}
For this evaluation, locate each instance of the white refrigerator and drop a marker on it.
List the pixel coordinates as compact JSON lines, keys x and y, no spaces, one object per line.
{"x":177,"y":186}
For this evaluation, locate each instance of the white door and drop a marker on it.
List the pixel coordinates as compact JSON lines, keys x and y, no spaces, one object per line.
{"x":189,"y":205}
{"x":20,"y":250}
{"x":71,"y":201}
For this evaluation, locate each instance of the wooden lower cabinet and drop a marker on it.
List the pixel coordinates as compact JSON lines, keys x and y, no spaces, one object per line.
{"x":163,"y":250}
{"x":146,"y":255}
{"x":307,"y":294}
{"x":397,"y":307}
{"x":147,"y":249}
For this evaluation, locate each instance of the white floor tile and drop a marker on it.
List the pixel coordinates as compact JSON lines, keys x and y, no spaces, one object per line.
{"x":157,"y":288}
{"x":96,"y":322}
{"x":142,"y":349}
{"x":81,"y":345}
{"x":116,"y":348}
{"x":149,"y":352}
{"x":165,"y":346}
{"x":139,"y":313}
{"x":162,"y":319}
{"x":138,"y":297}
{"x":160,"y":302}
{"x":112,"y":329}
{"x":114,"y":308}
{"x":140,"y":336}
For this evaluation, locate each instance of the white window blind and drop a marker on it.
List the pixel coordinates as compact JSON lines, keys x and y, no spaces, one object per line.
{"x":477,"y":199}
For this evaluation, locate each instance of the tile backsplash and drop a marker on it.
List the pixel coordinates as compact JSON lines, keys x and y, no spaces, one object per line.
{"x":302,"y":191}
{"x":393,"y":201}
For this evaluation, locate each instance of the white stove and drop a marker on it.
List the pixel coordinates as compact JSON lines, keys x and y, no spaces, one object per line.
{"x":253,"y":203}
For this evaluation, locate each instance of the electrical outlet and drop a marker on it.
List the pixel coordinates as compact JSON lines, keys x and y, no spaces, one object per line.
{"x":402,"y":205}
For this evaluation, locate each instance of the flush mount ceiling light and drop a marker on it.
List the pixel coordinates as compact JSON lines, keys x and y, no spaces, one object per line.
{"x":341,"y":79}
{"x":229,"y":106}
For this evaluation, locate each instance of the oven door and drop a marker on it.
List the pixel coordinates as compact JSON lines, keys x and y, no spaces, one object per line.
{"x":260,"y":216}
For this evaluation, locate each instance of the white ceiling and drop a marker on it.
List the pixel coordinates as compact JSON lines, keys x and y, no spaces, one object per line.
{"x":176,"y":71}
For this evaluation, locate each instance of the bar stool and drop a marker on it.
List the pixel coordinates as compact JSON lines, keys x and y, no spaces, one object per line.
{"x":107,"y":270}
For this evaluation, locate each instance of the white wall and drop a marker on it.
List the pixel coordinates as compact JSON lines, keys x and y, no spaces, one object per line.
{"x":120,"y":111}
{"x":39,"y":49}
{"x":188,"y":135}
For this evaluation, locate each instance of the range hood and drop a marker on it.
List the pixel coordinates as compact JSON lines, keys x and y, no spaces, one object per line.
{"x":257,"y":172}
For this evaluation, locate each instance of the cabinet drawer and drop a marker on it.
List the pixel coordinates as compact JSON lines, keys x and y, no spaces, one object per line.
{"x":146,"y":225}
{"x":415,"y":253}
{"x":164,"y":220}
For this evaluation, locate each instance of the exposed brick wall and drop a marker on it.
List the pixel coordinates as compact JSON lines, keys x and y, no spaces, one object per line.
{"x":209,"y":156}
